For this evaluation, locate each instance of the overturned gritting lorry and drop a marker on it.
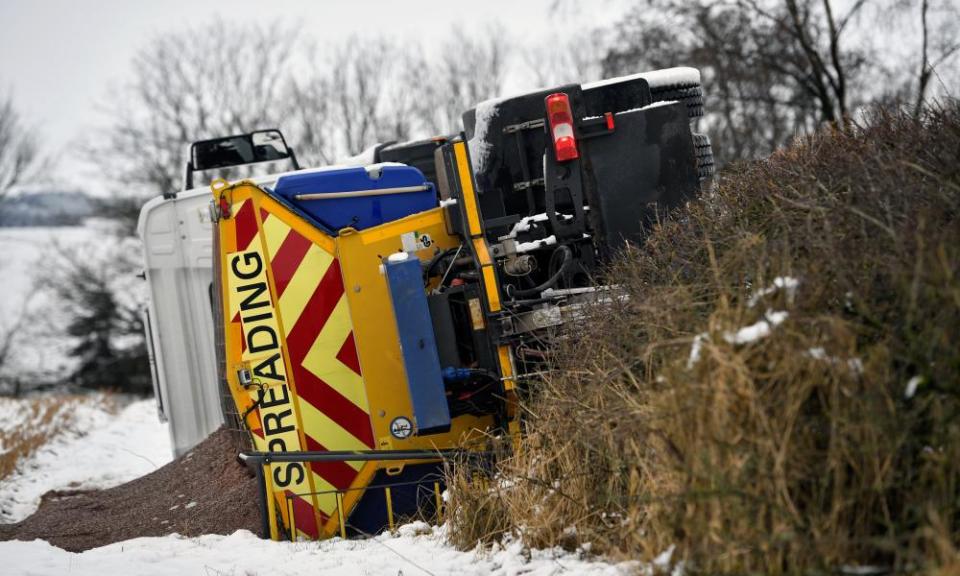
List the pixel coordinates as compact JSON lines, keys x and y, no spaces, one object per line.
{"x":371,"y":321}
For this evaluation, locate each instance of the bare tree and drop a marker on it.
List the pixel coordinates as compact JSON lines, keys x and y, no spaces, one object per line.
{"x":467,"y":69}
{"x":773,"y":68}
{"x":578,"y":58}
{"x":9,"y":333}
{"x":354,"y":98}
{"x":939,"y":44}
{"x":19,"y":154}
{"x":188,"y":85}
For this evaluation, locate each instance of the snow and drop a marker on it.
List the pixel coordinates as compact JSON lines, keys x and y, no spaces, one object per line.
{"x":757,"y":330}
{"x":746,"y":335}
{"x":648,"y":107}
{"x":104,"y":449}
{"x":912,"y":386}
{"x":786,"y":283}
{"x":366,"y":156}
{"x":96,"y":449}
{"x":681,"y":76}
{"x":416,"y":549}
{"x":536,"y":244}
{"x":855,"y":365}
{"x":479,"y":148}
{"x":695,"y":349}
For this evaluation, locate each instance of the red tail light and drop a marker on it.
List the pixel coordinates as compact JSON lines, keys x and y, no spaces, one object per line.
{"x":560,"y":118}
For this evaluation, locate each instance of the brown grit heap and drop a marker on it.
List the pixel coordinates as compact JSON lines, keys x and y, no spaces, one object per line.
{"x":206,"y":491}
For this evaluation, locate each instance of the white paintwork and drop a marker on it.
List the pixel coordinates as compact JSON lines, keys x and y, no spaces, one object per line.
{"x":177,"y":237}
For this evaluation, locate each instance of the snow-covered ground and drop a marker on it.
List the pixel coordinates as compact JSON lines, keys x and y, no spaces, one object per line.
{"x":98,"y":448}
{"x":416,"y":549}
{"x":93,"y":448}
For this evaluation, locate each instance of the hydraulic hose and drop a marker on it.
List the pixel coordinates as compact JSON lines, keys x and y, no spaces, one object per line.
{"x":549,"y":282}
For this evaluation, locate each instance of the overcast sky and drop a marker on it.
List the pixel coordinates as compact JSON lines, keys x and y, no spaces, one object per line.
{"x":59,"y":57}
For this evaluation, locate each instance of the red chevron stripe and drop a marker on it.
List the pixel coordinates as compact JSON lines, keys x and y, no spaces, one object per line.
{"x":340,"y":474}
{"x":302,"y":336}
{"x":327,"y":400}
{"x":289,"y":256}
{"x":246,"y":224}
{"x":303,"y":515}
{"x":348,"y":354}
{"x":263,"y":215}
{"x":316,"y":313}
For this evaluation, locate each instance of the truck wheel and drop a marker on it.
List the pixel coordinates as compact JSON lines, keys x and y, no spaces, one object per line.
{"x":691,"y":96}
{"x":704,"y":154}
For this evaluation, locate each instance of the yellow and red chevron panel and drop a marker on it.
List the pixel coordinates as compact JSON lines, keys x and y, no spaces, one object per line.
{"x":297,"y":340}
{"x":309,"y":318}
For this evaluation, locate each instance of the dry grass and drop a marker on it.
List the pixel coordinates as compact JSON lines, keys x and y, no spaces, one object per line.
{"x":33,"y":421}
{"x":800,"y":452}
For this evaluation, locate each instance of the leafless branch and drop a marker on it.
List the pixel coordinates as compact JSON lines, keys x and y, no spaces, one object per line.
{"x":19,"y":153}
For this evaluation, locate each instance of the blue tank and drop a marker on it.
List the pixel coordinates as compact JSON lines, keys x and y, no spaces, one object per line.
{"x":358,"y":198}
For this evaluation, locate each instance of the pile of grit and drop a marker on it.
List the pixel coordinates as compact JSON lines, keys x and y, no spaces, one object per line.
{"x":206,"y":491}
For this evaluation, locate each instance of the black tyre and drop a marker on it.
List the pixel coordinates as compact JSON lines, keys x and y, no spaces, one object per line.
{"x":690,"y":96}
{"x":704,"y":154}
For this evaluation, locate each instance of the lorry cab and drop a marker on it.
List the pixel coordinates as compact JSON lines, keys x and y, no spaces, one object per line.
{"x":177,"y":237}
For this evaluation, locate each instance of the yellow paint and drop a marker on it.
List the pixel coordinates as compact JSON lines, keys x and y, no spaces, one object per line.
{"x":325,"y":495}
{"x":365,"y":309}
{"x":327,"y":431}
{"x":389,"y":497}
{"x":302,"y":286}
{"x":492,"y":288}
{"x":340,"y":515}
{"x":466,"y":186}
{"x":275,"y":232}
{"x":295,"y":222}
{"x":249,"y":294}
{"x":506,"y":362}
{"x":292,"y":516}
{"x":483,"y":254}
{"x":321,"y":360}
{"x":490,"y":285}
{"x":378,"y":344}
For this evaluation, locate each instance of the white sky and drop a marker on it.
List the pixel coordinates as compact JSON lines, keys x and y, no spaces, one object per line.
{"x":59,"y":57}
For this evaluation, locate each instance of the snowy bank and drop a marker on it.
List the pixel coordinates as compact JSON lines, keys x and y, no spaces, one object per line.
{"x":95,"y":449}
{"x":415,"y":550}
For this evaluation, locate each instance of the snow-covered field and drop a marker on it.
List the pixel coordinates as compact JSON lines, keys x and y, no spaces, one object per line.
{"x":414,"y":550}
{"x":92,"y":447}
{"x":27,"y":256}
{"x":100,"y":448}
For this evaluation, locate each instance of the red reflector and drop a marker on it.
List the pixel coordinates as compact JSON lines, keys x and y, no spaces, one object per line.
{"x":609,"y":117}
{"x":224,"y":208}
{"x":560,"y":118}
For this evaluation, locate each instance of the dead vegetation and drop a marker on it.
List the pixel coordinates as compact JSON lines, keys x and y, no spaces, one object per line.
{"x":781,"y":391}
{"x":38,"y":420}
